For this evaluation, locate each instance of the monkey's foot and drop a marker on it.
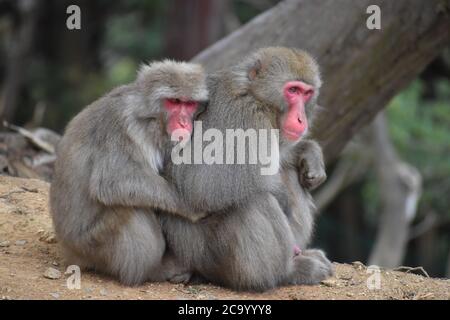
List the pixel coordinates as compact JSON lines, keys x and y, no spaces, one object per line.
{"x":180,"y":278}
{"x":311,"y":267}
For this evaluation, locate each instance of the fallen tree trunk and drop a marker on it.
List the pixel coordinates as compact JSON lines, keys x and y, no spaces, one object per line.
{"x":363,"y":69}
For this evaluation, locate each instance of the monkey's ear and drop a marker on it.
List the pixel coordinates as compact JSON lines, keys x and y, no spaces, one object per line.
{"x":255,"y":69}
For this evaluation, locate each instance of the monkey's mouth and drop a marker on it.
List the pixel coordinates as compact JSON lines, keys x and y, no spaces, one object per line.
{"x":292,"y":135}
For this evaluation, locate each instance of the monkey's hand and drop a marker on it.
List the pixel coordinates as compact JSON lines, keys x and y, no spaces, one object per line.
{"x":311,"y":267}
{"x":311,"y":166}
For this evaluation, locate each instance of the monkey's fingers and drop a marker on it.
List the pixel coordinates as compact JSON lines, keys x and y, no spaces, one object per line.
{"x":320,"y":255}
{"x":311,"y":175}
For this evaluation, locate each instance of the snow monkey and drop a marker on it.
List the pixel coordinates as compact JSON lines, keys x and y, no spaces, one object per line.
{"x":107,"y":182}
{"x":248,"y":242}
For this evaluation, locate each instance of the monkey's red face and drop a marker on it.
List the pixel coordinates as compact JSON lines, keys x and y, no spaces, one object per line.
{"x":180,"y":115}
{"x":294,"y":123}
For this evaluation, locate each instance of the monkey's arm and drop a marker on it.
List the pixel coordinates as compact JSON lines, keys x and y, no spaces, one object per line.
{"x":220,"y":188}
{"x":123,"y":184}
{"x":310,"y":164}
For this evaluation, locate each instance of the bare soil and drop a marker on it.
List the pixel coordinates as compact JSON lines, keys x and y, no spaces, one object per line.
{"x":28,"y":248}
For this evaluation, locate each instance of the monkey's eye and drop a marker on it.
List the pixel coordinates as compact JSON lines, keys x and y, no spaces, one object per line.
{"x":191,"y":104}
{"x":294,"y":90}
{"x":300,"y":91}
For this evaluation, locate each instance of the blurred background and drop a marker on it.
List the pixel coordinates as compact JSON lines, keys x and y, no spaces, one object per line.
{"x":49,"y":73}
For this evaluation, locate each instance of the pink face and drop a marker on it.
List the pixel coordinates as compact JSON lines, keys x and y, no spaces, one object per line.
{"x":180,"y":115}
{"x":294,"y":123}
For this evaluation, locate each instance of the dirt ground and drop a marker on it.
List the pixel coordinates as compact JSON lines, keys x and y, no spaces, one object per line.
{"x":28,"y":249}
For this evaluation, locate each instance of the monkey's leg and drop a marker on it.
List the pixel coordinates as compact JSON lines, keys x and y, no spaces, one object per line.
{"x":132,"y":252}
{"x":310,"y":164}
{"x":173,"y":270}
{"x":310,"y":266}
{"x":255,"y":250}
{"x":250,"y":249}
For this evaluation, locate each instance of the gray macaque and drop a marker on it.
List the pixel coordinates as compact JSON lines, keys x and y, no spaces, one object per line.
{"x":249,"y":242}
{"x":107,"y":183}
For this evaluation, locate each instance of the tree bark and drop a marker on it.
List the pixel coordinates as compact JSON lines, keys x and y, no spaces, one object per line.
{"x":399,"y":186}
{"x":199,"y":24}
{"x":362,"y":69}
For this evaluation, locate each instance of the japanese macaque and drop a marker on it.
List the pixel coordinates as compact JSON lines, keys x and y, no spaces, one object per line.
{"x":249,"y":242}
{"x":107,"y":182}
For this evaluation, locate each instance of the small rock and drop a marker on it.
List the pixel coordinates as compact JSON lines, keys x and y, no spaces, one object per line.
{"x":353,"y":282}
{"x":346,"y":275}
{"x":329,"y":283}
{"x":46,"y":236}
{"x":55,"y":295}
{"x":358,"y":265}
{"x":350,"y":294}
{"x":4,"y":244}
{"x":104,"y":292}
{"x":52,"y":273}
{"x":88,"y":290}
{"x":55,"y":263}
{"x":21,"y":242}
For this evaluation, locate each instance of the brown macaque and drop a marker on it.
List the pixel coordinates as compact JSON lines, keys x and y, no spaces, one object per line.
{"x":259,"y":226}
{"x":107,"y":182}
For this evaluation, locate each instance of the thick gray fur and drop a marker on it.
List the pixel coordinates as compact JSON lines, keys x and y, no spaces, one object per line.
{"x":107,"y":184}
{"x":248,"y":241}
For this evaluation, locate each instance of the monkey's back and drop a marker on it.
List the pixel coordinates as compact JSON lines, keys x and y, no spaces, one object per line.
{"x":88,"y":137}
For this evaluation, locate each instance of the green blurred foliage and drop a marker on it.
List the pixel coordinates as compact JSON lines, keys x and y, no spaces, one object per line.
{"x":420,"y":130}
{"x":245,"y":11}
